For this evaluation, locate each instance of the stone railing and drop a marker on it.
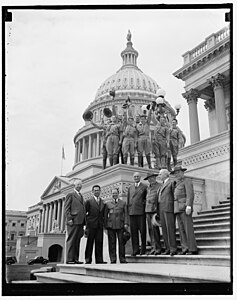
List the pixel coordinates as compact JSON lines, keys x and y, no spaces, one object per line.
{"x":209,"y":42}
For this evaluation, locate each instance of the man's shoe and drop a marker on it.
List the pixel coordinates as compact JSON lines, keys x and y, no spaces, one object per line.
{"x":173,"y":253}
{"x":88,"y":262}
{"x":158,"y":252}
{"x":78,"y":262}
{"x":135,"y":253}
{"x":183,"y":252}
{"x":152,"y":252}
{"x":192,"y":253}
{"x":123,"y":262}
{"x":167,"y":252}
{"x":142,"y":252}
{"x":102,"y":262}
{"x":113,"y":262}
{"x":70,"y":262}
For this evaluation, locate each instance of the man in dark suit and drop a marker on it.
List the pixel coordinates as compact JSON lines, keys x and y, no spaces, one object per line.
{"x":94,"y":226}
{"x":166,"y":210}
{"x":75,"y":214}
{"x":183,"y":208}
{"x":136,"y":200}
{"x":116,"y":221}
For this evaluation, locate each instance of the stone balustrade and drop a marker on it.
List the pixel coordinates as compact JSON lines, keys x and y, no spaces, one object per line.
{"x":209,"y":42}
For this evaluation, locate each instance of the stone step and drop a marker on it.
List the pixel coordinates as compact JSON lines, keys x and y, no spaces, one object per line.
{"x":212,"y":233}
{"x":214,"y":211}
{"x":146,"y":272}
{"x":214,"y":250}
{"x":212,"y":241}
{"x":58,"y":277}
{"x":204,"y":227}
{"x":212,"y":214}
{"x":225,"y":201}
{"x":207,"y":260}
{"x":221,"y":206}
{"x":208,"y":221}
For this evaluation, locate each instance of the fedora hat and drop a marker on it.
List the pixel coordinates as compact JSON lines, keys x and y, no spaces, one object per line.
{"x":178,"y":168}
{"x":150,"y":174}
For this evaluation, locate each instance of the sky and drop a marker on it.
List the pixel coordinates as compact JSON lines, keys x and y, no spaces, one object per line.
{"x":55,"y":62}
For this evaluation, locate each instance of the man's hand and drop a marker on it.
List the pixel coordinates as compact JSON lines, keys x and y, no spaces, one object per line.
{"x":70,"y":222}
{"x":126,"y":226}
{"x":188,"y":210}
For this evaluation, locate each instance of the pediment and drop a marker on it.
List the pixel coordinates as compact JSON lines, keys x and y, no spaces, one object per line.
{"x":56,"y":185}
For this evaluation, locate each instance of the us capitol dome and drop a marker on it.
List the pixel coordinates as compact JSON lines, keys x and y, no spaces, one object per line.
{"x":128,"y":81}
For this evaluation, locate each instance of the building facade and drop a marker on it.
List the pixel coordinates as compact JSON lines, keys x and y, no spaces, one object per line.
{"x":15,"y":225}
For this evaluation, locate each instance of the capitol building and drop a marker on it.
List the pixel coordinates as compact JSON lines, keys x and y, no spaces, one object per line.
{"x":206,"y":75}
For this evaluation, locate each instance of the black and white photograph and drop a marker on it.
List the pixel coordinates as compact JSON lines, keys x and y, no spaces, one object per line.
{"x":118,"y":149}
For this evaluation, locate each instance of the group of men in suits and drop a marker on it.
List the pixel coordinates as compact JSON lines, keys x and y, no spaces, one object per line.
{"x":151,"y":207}
{"x":95,"y":215}
{"x":159,"y":206}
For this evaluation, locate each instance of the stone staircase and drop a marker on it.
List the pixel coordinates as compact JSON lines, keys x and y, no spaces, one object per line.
{"x":211,"y":265}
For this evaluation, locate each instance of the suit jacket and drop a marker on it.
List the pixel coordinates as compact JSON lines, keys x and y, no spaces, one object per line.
{"x":183,"y":195}
{"x":115,"y":214}
{"x":94,"y":213}
{"x":75,"y":208}
{"x":136,"y":199}
{"x":166,"y":196}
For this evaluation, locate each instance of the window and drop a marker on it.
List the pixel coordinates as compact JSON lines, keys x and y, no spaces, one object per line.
{"x":22,"y":224}
{"x":13,"y":224}
{"x":12,"y":236}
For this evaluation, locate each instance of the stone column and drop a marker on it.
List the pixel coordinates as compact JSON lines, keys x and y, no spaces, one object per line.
{"x":210,"y":107}
{"x":50,"y":217}
{"x":76,"y":153}
{"x":97,"y":144}
{"x":54,"y":210}
{"x":62,"y":216}
{"x":46,"y":218}
{"x":191,"y":97}
{"x":58,"y":212}
{"x":40,"y":221}
{"x":89,"y":147}
{"x":84,"y":148}
{"x":78,"y":150}
{"x":217,"y":83}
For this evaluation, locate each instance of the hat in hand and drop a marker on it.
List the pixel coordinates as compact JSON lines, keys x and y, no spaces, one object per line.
{"x":126,"y":236}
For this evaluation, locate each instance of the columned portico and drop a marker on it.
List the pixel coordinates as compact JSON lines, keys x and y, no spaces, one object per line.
{"x":192,"y":97}
{"x":217,"y":83}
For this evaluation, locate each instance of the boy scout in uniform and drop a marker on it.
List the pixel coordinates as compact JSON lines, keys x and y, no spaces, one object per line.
{"x":116,"y":220}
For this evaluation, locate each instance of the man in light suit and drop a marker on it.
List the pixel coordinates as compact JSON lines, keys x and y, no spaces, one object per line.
{"x":136,"y":200}
{"x":75,"y":214}
{"x":116,"y":221}
{"x":183,"y":208}
{"x":94,"y":226}
{"x":166,"y":209}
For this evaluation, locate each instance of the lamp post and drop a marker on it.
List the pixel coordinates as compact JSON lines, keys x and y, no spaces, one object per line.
{"x":177,"y":107}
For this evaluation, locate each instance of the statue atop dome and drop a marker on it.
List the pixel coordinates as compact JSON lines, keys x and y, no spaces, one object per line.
{"x":129,"y":36}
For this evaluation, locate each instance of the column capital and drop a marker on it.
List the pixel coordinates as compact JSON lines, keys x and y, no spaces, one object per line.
{"x":191,"y":95}
{"x":217,"y":81}
{"x":209,"y":104}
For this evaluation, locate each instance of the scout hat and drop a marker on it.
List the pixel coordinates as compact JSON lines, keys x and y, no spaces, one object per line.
{"x":178,"y":168}
{"x":150,"y":174}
